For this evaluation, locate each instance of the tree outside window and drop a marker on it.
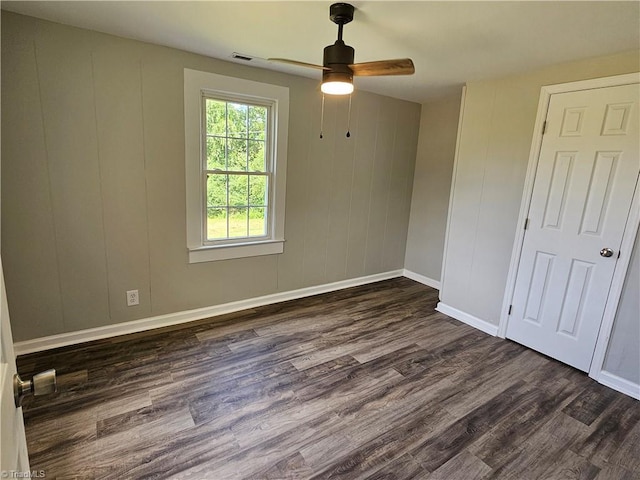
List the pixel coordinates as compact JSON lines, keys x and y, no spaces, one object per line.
{"x":237,"y":172}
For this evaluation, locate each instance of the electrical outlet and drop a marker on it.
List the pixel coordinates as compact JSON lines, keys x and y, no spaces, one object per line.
{"x":132,"y":298}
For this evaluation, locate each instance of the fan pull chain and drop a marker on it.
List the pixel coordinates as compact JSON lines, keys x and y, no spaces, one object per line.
{"x":349,"y":117}
{"x":322,"y":116}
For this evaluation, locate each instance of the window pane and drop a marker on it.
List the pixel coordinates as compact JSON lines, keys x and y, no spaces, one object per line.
{"x":216,"y":223}
{"x":216,"y":117}
{"x":237,"y":155}
{"x":235,"y":139}
{"x":216,"y":190}
{"x":237,"y":120}
{"x":257,"y":122}
{"x":257,"y":222}
{"x":238,"y":217}
{"x":258,"y":190}
{"x":256,"y":156}
{"x":238,"y":190}
{"x":216,"y":153}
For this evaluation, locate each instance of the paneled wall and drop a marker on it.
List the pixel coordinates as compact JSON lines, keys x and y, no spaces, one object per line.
{"x":431,"y":186}
{"x":493,"y":153}
{"x":93,"y":183}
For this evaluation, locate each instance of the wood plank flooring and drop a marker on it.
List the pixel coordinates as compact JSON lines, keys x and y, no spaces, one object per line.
{"x":369,"y":382}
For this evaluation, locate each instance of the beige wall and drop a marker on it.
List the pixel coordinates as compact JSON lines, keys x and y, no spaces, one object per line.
{"x":93,"y":183}
{"x":493,"y":153}
{"x":431,"y":186}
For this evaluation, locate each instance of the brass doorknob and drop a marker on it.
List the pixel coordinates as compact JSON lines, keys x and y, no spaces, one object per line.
{"x":606,"y":252}
{"x":41,"y":384}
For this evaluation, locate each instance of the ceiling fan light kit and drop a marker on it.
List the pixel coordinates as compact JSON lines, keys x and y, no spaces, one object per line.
{"x":337,"y":86}
{"x":338,"y":67}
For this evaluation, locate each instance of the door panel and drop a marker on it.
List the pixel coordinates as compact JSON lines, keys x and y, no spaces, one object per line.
{"x":556,"y":196}
{"x":586,"y":175}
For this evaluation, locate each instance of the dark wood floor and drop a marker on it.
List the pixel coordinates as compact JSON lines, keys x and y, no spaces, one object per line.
{"x":368,"y":382}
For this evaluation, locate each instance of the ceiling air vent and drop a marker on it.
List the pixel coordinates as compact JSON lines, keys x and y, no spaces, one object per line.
{"x":241,"y":56}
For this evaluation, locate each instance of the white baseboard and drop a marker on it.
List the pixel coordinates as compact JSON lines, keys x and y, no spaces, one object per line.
{"x":475,"y":322}
{"x":150,"y":323}
{"x":620,"y":384}
{"x":429,"y":282}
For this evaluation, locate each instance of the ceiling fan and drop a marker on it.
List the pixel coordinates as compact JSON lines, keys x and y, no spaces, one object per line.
{"x":337,"y":66}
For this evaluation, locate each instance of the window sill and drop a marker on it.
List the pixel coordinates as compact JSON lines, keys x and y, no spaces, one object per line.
{"x":212,"y":253}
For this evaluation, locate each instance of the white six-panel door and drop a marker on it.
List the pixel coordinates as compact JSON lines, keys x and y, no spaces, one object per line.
{"x":584,"y":185}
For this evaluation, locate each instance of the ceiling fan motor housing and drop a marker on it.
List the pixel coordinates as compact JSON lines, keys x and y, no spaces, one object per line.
{"x":337,"y":58}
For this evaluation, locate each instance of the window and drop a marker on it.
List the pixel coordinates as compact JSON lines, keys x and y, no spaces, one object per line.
{"x":235,"y":149}
{"x":237,"y":171}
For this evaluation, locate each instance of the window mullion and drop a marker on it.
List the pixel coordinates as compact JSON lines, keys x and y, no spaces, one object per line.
{"x":205,"y":201}
{"x":235,"y":172}
{"x":248,"y":195}
{"x":227,"y":204}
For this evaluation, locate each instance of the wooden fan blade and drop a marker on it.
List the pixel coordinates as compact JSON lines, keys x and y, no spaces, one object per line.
{"x":399,"y":66}
{"x":295,"y":62}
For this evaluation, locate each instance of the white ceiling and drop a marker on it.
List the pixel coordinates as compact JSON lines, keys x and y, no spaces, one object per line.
{"x":450,"y":42}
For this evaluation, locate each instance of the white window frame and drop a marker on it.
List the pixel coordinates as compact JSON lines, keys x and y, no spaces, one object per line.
{"x":196,"y":85}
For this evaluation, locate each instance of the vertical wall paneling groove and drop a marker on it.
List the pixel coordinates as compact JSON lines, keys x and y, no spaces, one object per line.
{"x":317,"y":204}
{"x":42,"y":327}
{"x":340,"y":183}
{"x":100,"y":182}
{"x":146,"y":187}
{"x":465,"y":192}
{"x":55,"y":254}
{"x":69,"y":119}
{"x":387,"y":199}
{"x":355,"y":116}
{"x":361,"y":188}
{"x":306,"y":120}
{"x":379,"y":179}
{"x":26,"y":189}
{"x":165,"y":180}
{"x":119,"y":127}
{"x":480,"y":229}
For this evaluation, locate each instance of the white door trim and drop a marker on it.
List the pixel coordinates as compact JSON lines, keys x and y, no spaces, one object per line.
{"x":631,"y":228}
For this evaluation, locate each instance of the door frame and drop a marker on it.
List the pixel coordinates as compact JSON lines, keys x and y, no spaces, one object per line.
{"x":628,"y":238}
{"x":9,"y":369}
